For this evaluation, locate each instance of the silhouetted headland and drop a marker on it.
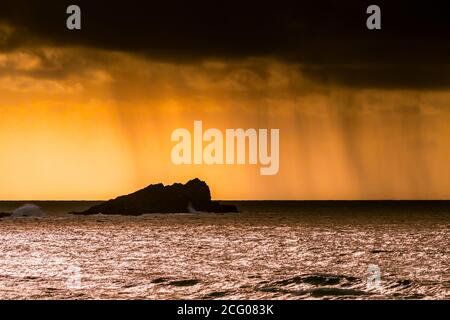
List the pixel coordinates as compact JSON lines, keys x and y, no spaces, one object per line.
{"x":194,"y":196}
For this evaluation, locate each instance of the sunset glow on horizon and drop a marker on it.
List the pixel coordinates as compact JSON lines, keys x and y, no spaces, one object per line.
{"x":80,"y":123}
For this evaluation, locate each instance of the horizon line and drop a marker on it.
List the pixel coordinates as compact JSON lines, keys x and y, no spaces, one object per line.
{"x":243,"y":200}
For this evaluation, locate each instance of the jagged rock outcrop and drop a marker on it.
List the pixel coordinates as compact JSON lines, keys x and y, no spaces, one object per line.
{"x":157,"y":198}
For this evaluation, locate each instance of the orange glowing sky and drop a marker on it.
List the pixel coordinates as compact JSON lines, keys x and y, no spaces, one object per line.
{"x":80,"y":123}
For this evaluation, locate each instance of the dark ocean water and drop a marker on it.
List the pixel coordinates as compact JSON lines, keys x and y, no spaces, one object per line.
{"x":271,"y":250}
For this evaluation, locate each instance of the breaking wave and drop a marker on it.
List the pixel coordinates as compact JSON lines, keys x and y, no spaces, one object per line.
{"x":341,"y":286}
{"x":28,"y":210}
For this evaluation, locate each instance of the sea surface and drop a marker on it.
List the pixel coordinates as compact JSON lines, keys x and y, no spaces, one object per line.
{"x":271,"y":250}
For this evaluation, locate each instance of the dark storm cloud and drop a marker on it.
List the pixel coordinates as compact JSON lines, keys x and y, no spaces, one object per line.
{"x":328,"y":39}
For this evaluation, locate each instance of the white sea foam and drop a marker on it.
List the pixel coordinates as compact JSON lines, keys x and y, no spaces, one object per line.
{"x":28,"y":210}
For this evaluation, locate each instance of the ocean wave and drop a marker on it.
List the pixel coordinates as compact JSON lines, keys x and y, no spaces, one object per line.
{"x":330,"y":285}
{"x":184,"y":283}
{"x":318,"y":280}
{"x":28,"y":210}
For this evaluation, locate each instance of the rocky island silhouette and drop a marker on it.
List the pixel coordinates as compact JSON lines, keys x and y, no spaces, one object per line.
{"x":194,"y":196}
